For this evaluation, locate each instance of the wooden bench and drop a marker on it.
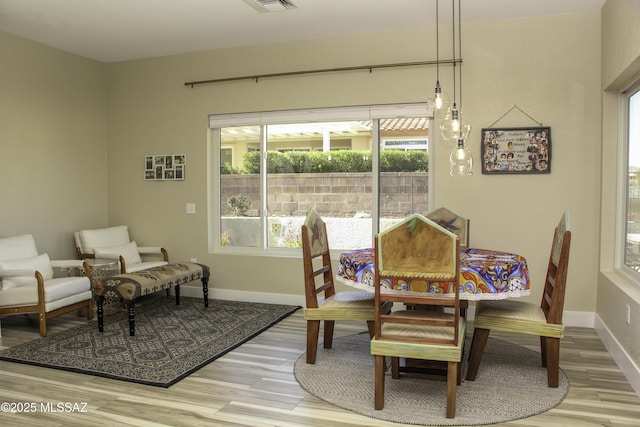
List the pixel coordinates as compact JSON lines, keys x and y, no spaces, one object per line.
{"x":130,"y":286}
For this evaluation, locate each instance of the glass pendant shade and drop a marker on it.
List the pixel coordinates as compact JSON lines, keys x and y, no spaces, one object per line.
{"x":460,"y":161}
{"x":452,"y":127}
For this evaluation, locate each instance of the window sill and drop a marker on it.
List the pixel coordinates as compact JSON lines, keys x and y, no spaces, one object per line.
{"x":625,"y":282}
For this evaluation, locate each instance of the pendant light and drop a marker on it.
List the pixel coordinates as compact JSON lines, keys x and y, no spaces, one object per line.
{"x":452,"y":127}
{"x":438,"y":90}
{"x":461,"y":161}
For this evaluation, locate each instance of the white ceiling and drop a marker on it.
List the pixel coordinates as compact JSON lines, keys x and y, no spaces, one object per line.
{"x":119,"y":30}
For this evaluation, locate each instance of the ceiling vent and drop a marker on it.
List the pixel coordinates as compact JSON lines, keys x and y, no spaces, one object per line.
{"x":265,"y":6}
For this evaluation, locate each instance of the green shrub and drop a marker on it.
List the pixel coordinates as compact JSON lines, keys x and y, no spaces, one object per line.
{"x":351,"y":161}
{"x":336,"y":161}
{"x":251,"y":162}
{"x":278,"y":162}
{"x":240,"y":204}
{"x":228,"y":169}
{"x":403,"y":161}
{"x":300,"y":161}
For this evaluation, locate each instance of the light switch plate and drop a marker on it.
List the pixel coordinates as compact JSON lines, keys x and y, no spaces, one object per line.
{"x":191,"y":208}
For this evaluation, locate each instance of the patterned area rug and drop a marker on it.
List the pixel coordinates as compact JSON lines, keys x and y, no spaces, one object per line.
{"x":510,"y":385}
{"x":170,"y":343}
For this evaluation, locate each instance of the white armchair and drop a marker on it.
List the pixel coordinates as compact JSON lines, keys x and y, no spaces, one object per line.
{"x":115,"y":243}
{"x":27,"y":283}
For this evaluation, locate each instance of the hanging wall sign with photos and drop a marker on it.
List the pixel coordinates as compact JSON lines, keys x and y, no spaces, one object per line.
{"x":164,"y":167}
{"x":516,"y":150}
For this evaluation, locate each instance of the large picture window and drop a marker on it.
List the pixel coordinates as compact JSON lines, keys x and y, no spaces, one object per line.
{"x":271,"y":168}
{"x":632,"y":232}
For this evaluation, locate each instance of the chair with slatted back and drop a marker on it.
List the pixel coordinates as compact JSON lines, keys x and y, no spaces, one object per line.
{"x":418,"y":249}
{"x":459,"y":226}
{"x":453,"y":222}
{"x":322,"y":301}
{"x":544,"y":320}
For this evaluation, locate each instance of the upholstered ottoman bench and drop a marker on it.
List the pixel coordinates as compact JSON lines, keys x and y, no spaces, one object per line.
{"x":130,"y":286}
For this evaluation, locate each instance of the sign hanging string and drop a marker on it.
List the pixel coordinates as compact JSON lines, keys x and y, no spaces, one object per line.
{"x":521,"y":110}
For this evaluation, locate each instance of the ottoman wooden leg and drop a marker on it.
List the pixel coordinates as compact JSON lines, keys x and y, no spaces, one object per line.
{"x":131,"y":310}
{"x":177,"y":290}
{"x":205,"y":290}
{"x":100,"y":311}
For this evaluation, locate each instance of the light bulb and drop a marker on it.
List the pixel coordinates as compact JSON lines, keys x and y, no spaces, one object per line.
{"x":452,"y":127}
{"x":460,"y":161}
{"x":455,"y":119}
{"x":438,"y":96}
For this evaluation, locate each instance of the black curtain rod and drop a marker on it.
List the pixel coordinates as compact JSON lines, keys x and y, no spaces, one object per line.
{"x":326,"y":70}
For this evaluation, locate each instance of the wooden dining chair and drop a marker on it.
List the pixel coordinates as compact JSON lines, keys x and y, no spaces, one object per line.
{"x":418,"y":249}
{"x":522,"y":317}
{"x":453,"y":222}
{"x":322,"y":301}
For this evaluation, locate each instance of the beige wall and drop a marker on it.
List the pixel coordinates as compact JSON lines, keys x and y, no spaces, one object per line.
{"x":621,"y":62}
{"x":549,"y":67}
{"x":53,"y":136}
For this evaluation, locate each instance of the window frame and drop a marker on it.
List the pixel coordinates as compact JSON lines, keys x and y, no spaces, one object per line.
{"x":266,"y":118}
{"x":623,"y":182}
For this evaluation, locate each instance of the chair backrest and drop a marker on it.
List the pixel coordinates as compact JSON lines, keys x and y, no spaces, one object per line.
{"x":19,"y":253}
{"x":17,"y":247}
{"x":418,"y":249}
{"x":88,"y":240}
{"x":318,"y":273}
{"x":453,"y":222}
{"x":556,"y":279}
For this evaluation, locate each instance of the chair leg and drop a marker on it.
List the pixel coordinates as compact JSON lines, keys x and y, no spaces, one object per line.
{"x":328,"y":333}
{"x":395,"y":368}
{"x":452,"y":381}
{"x":464,"y":305}
{"x":313,"y":330}
{"x":90,"y":309}
{"x":480,"y":337}
{"x":43,"y":324}
{"x":371,"y":325}
{"x":461,"y":364}
{"x":379,"y":382}
{"x":543,"y":350}
{"x":553,"y":361}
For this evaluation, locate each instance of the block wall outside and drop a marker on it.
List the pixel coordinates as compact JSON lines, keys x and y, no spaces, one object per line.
{"x":332,"y":194}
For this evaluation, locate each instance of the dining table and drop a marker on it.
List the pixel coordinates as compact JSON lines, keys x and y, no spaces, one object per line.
{"x":484,"y":275}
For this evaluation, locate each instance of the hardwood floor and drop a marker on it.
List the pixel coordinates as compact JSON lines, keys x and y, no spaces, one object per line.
{"x":254,"y":386}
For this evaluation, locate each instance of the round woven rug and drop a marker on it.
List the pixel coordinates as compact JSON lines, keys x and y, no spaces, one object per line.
{"x":510,"y":385}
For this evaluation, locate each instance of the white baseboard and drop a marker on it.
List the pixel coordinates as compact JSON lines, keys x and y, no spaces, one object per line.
{"x":620,"y":356}
{"x":226,"y":294}
{"x":581,"y":319}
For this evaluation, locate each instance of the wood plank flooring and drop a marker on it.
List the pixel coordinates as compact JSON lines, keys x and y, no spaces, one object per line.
{"x":254,"y":385}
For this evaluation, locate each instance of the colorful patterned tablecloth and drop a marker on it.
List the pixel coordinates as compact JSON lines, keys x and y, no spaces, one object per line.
{"x":484,"y":274}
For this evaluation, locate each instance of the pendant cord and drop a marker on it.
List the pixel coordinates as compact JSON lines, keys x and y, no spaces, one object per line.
{"x":438,"y":42}
{"x":460,"y":51}
{"x":453,"y":44}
